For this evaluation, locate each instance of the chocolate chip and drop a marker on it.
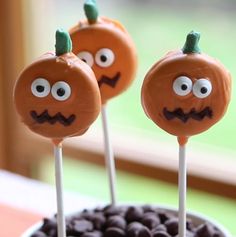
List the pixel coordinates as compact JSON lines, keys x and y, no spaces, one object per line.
{"x":148,"y":208}
{"x":52,"y":233}
{"x":116,"y":221}
{"x":205,"y":230}
{"x":150,"y":220}
{"x":48,"y":224}
{"x":172,"y":226}
{"x":88,"y":215}
{"x":164,"y":216}
{"x":160,"y":227}
{"x":112,"y":210}
{"x":123,"y":210}
{"x":133,"y":229}
{"x":189,"y":225}
{"x":134,"y":225}
{"x":114,"y":232}
{"x":92,"y":234}
{"x":71,"y":232}
{"x":161,"y":234}
{"x":144,"y":232}
{"x":98,"y":209}
{"x":81,"y":226}
{"x":98,"y":220}
{"x":133,"y":214}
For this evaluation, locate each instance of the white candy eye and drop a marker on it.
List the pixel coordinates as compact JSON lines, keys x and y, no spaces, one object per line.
{"x":86,"y":57}
{"x":40,"y":87}
{"x":182,"y":85}
{"x":202,"y":88}
{"x":61,"y":91}
{"x":104,"y":57}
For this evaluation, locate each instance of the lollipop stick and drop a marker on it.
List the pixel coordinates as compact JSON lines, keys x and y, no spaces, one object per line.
{"x":59,"y":187}
{"x":182,"y":190}
{"x":109,"y":156}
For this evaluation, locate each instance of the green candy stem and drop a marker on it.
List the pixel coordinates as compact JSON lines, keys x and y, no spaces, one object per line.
{"x":91,"y":11}
{"x":191,"y":44}
{"x":63,"y":42}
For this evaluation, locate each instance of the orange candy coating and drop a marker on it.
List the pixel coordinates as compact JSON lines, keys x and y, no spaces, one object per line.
{"x":113,"y":76}
{"x":64,"y":104}
{"x":193,"y":112}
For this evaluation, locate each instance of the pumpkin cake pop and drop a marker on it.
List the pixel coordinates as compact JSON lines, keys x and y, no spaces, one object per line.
{"x":185,"y":93}
{"x":105,"y":45}
{"x":57,"y":96}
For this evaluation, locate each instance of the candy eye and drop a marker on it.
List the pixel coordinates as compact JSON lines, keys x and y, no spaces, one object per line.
{"x":86,"y":57}
{"x":182,"y":85}
{"x":40,"y":87}
{"x":104,"y":57}
{"x":202,"y":88}
{"x":61,"y":91}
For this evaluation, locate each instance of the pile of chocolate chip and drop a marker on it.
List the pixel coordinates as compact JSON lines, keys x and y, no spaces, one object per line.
{"x":125,"y":221}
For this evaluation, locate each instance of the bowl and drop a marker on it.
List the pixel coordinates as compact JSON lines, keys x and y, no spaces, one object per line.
{"x":196,"y":218}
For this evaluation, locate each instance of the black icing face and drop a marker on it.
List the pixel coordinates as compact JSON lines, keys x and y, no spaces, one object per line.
{"x":57,"y":97}
{"x":109,"y":81}
{"x":45,"y":117}
{"x":60,"y":92}
{"x":184,"y":86}
{"x":184,"y":117}
{"x":108,"y":50}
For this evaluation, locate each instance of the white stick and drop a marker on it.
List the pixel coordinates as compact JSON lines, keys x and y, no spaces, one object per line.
{"x":61,"y":227}
{"x":182,"y":191}
{"x":109,"y":157}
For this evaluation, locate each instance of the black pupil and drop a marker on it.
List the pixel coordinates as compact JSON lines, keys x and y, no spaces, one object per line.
{"x":103,"y":58}
{"x":61,"y":92}
{"x":40,"y":88}
{"x":84,"y":60}
{"x":203,"y":90}
{"x":184,"y":87}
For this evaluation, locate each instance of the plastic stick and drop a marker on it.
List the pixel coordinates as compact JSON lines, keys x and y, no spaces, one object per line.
{"x":109,"y":156}
{"x":182,"y":190}
{"x":61,"y":227}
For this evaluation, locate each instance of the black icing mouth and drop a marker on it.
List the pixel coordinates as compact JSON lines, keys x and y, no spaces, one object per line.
{"x":110,"y":81}
{"x":58,"y":117}
{"x":184,"y":117}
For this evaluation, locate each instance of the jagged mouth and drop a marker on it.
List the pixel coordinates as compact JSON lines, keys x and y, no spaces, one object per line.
{"x":184,"y":117}
{"x":44,"y":117}
{"x":110,"y":81}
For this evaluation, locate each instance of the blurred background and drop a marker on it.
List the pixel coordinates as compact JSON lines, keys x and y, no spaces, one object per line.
{"x":156,"y":27}
{"x":145,"y":155}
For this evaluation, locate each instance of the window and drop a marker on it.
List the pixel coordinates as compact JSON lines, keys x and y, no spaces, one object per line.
{"x":156,"y":28}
